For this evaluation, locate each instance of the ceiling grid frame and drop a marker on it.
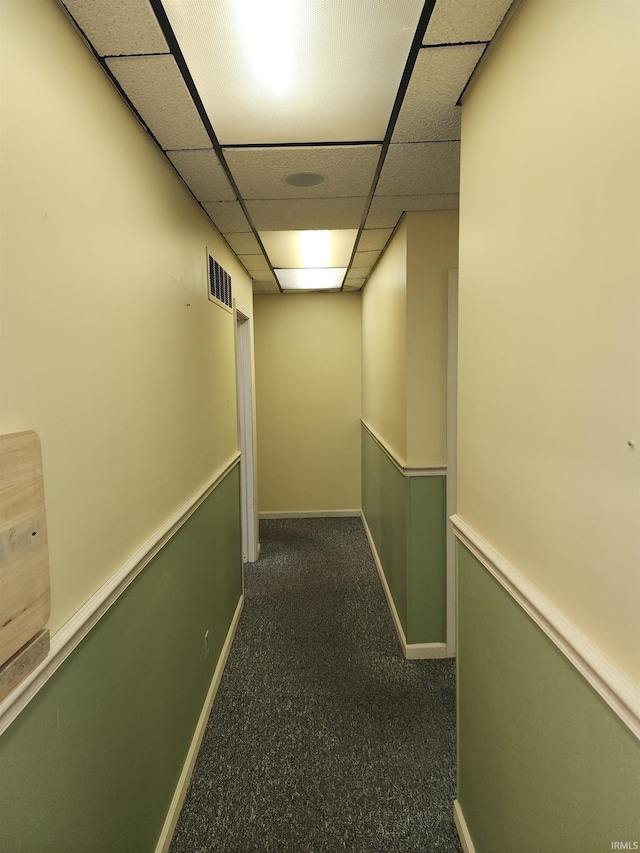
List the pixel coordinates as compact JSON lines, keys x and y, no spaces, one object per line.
{"x":169,"y":35}
{"x":227,"y":193}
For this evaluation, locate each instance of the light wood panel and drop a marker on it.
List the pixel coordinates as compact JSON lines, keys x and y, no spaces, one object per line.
{"x":25,"y":599}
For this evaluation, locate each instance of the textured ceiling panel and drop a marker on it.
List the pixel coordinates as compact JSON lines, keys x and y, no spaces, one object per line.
{"x":360,"y":272}
{"x":227,"y":216}
{"x":260,"y":172}
{"x":365,"y":259}
{"x":365,"y":45}
{"x":429,"y":110}
{"x":465,"y":20}
{"x":386,"y":210}
{"x":244,"y":244}
{"x":301,"y":70}
{"x":203,"y":174}
{"x":265,"y":287}
{"x":156,"y":89}
{"x":374,"y":238}
{"x":306,"y":214}
{"x":119,"y":27}
{"x":426,"y":168}
{"x":254,"y":264}
{"x":352,"y":287}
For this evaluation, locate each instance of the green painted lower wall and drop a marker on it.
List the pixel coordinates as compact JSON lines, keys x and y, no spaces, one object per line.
{"x":426,"y":560}
{"x":93,"y":761}
{"x":407,"y":520}
{"x":543,"y":762}
{"x":384,"y":506}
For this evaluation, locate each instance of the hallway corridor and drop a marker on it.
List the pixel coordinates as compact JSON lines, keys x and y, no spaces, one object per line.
{"x":322,"y":737}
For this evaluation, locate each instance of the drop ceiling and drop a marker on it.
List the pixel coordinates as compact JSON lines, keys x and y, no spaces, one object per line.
{"x":241,"y":94}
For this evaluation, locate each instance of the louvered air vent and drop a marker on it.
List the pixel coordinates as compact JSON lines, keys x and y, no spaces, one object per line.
{"x":219,"y":284}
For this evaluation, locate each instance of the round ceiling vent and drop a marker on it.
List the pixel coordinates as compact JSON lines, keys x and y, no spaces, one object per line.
{"x":305,"y":179}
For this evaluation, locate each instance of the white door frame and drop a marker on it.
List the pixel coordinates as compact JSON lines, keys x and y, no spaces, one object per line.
{"x":452,"y":453}
{"x":246,"y":437}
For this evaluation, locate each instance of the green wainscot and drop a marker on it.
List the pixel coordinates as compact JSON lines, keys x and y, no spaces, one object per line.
{"x":92,"y":763}
{"x":406,"y":517}
{"x":544,"y":765}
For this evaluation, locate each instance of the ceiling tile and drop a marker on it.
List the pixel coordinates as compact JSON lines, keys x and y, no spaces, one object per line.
{"x":227,"y":216}
{"x":361,"y":272}
{"x":156,"y":89}
{"x":268,"y":277}
{"x":119,"y":27}
{"x":425,"y":168}
{"x":201,"y":171}
{"x":365,"y":259}
{"x":386,"y":210}
{"x":429,"y":110}
{"x":260,"y":172}
{"x":245,"y":244}
{"x":306,"y":214}
{"x":254,"y":264}
{"x":267,"y":77}
{"x":350,"y":288}
{"x":265,"y":287}
{"x":353,"y":282}
{"x":374,"y":238}
{"x":465,"y":20}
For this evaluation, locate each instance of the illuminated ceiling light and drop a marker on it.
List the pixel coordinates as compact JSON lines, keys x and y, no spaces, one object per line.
{"x":268,"y":71}
{"x":305,"y":179}
{"x":290,"y":249}
{"x":311,"y":279}
{"x":315,"y":249}
{"x":267,"y":32}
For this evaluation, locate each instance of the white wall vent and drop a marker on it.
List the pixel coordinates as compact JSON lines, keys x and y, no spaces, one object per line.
{"x":219,"y":284}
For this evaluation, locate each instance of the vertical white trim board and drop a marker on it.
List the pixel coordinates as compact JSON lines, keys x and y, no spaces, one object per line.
{"x":452,"y":454}
{"x":183,"y":782}
{"x":463,"y":829}
{"x":246,"y":436}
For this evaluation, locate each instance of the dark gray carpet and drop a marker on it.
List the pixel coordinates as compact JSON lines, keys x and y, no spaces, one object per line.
{"x":322,"y":737}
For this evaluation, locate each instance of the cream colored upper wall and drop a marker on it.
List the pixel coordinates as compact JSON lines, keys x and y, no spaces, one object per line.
{"x":132,"y":392}
{"x":308,"y":401}
{"x":384,"y":346}
{"x":432,"y":241}
{"x":549,"y":372}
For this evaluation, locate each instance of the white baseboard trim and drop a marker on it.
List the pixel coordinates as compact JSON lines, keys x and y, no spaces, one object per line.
{"x":173,"y":814}
{"x":411,"y":651}
{"x":313,"y":513}
{"x":426,"y":651}
{"x":617,"y":690}
{"x":76,"y":629}
{"x":463,"y":829}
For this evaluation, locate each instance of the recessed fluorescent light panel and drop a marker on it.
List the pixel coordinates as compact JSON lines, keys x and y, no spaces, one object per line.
{"x":309,"y":248}
{"x":270,"y":72}
{"x":311,"y":279}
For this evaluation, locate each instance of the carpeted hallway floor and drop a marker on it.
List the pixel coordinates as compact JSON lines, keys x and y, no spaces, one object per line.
{"x":322,"y":737}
